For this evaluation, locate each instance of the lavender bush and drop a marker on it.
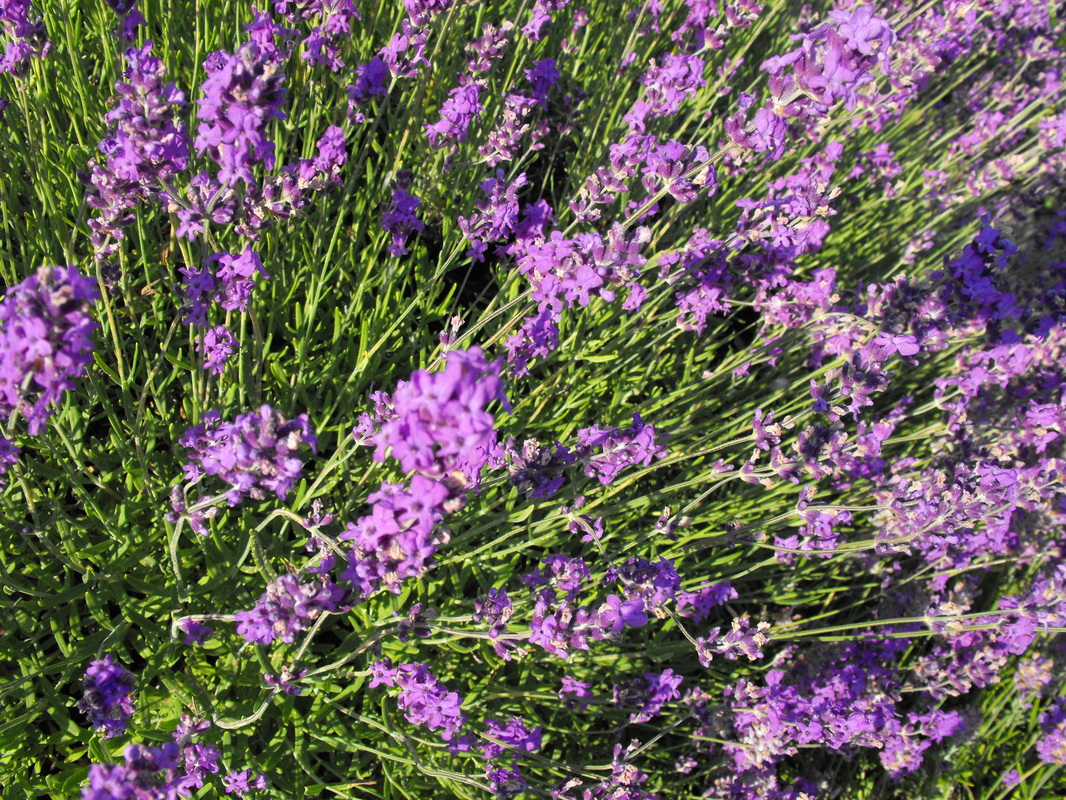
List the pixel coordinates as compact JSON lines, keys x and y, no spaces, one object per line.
{"x":603,"y":401}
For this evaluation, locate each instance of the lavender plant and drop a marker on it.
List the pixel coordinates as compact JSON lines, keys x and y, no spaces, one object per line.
{"x":606,"y":400}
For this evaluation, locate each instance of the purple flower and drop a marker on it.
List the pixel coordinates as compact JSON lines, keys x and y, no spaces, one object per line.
{"x":576,"y":695}
{"x":399,"y":538}
{"x":649,"y":693}
{"x":440,"y":425}
{"x":703,"y":600}
{"x":494,"y":610}
{"x":108,"y":697}
{"x":286,"y":195}
{"x":323,"y":44}
{"x":486,"y":49}
{"x":513,"y":738}
{"x":537,"y":470}
{"x":654,"y":583}
{"x":216,"y":346}
{"x":235,"y":276}
{"x":26,"y":32}
{"x":400,"y":219}
{"x":540,"y":15}
{"x":536,"y":338}
{"x":425,"y":700}
{"x":766,"y":133}
{"x":241,"y":94}
{"x":667,"y":86}
{"x":147,"y":145}
{"x":195,"y":631}
{"x":9,"y":456}
{"x":504,"y":141}
{"x":288,"y":607}
{"x":543,"y":76}
{"x":241,"y":783}
{"x":371,"y":80}
{"x":147,"y":772}
{"x":496,"y":215}
{"x":459,"y":110}
{"x":1051,"y":749}
{"x":832,"y":62}
{"x":254,"y":454}
{"x":199,"y":761}
{"x":45,"y":342}
{"x":422,"y":11}
{"x":619,"y":448}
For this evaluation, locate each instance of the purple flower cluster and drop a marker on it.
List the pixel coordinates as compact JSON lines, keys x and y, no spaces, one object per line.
{"x":241,"y":94}
{"x":618,"y":448}
{"x":108,"y":697}
{"x":241,"y":782}
{"x":400,"y":536}
{"x":459,"y":110}
{"x":436,"y":425}
{"x":287,"y":607}
{"x":487,"y":48}
{"x":26,"y":34}
{"x":148,"y":145}
{"x":853,"y":706}
{"x":323,"y":44}
{"x":440,"y":425}
{"x":559,"y":624}
{"x":287,"y":194}
{"x":648,"y":694}
{"x":667,"y":86}
{"x":740,"y":640}
{"x":200,"y":760}
{"x":130,"y":17}
{"x":146,"y":772}
{"x":45,"y":342}
{"x":230,"y":285}
{"x":1051,"y":749}
{"x":537,"y":470}
{"x":567,"y":272}
{"x":503,"y":142}
{"x":622,"y":784}
{"x":683,"y":171}
{"x":255,"y":454}
{"x":541,"y":15}
{"x":400,"y":219}
{"x":423,"y":699}
{"x":216,"y":346}
{"x":575,"y":695}
{"x":833,"y":61}
{"x":512,"y":739}
{"x":496,"y":215}
{"x":494,"y":610}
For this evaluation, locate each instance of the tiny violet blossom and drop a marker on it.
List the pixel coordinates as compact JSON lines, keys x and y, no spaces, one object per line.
{"x":576,"y":695}
{"x":196,"y":632}
{"x":459,"y":110}
{"x":108,"y":697}
{"x":440,"y":425}
{"x":399,"y":218}
{"x":424,"y":700}
{"x":241,"y":782}
{"x":216,"y":346}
